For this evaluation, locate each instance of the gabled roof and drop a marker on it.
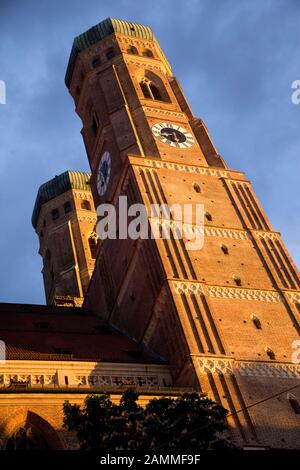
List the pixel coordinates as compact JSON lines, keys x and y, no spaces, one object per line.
{"x":102,"y":30}
{"x":57,"y":186}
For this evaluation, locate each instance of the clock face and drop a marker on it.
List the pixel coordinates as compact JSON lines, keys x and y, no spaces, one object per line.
{"x":103,"y":174}
{"x":173,"y":135}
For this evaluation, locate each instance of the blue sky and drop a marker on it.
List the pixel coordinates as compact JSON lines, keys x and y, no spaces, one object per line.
{"x":236,"y":61}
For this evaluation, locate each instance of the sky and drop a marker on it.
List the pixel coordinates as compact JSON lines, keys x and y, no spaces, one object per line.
{"x":236,"y":61}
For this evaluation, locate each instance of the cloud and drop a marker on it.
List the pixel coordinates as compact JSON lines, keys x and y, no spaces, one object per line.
{"x":235,"y":61}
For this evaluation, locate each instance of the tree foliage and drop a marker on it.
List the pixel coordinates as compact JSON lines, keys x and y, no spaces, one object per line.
{"x":190,"y":421}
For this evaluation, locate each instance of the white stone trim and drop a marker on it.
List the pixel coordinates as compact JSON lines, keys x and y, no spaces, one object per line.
{"x":53,"y":373}
{"x":248,"y":369}
{"x":226,"y":292}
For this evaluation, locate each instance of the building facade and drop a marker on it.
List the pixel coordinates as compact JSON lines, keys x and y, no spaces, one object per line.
{"x":224,"y":316}
{"x":63,"y":353}
{"x":148,"y":312}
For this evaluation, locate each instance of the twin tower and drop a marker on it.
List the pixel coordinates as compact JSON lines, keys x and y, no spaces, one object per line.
{"x":225,"y":316}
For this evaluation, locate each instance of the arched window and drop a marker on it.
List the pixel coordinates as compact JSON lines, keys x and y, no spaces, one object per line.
{"x":132,"y":50}
{"x":67,"y":207}
{"x":110,"y":53}
{"x":93,"y":244}
{"x":153,"y":87}
{"x":150,"y":91}
{"x":85,"y":205}
{"x":147,"y":53}
{"x":145,"y":90}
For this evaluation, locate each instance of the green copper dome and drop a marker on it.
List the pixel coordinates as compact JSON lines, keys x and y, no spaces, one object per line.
{"x":100,"y":31}
{"x":57,"y":186}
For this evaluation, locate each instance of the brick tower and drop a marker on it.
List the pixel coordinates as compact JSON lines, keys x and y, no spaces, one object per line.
{"x":64,"y":218}
{"x":225,"y":316}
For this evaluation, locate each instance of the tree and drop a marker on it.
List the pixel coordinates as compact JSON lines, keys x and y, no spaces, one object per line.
{"x":190,"y":421}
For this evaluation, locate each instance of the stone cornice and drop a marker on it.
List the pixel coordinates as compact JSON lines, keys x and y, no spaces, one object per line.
{"x":190,"y":287}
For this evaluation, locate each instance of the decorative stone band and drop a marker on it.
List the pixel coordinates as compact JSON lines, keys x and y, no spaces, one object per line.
{"x":187,"y":287}
{"x":294,"y":297}
{"x":183,"y":168}
{"x":249,"y":369}
{"x":226,"y":292}
{"x":227,"y":233}
{"x":266,"y":235}
{"x":244,"y":294}
{"x":86,"y":218}
{"x":163,"y":112}
{"x":223,"y":232}
{"x":216,"y":366}
{"x":191,"y":229}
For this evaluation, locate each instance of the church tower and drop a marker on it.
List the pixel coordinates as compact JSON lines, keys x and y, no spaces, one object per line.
{"x":224,"y":316}
{"x":64,"y":219}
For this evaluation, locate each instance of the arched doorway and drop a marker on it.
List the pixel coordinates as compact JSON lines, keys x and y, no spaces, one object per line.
{"x":27,"y":438}
{"x":29,"y":431}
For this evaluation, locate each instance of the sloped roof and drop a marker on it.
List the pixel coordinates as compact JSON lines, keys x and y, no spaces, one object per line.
{"x":59,"y":185}
{"x":102,"y":30}
{"x":67,"y":328}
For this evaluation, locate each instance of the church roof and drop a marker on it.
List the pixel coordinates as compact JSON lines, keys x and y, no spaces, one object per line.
{"x":102,"y":30}
{"x":57,"y":186}
{"x":49,"y":333}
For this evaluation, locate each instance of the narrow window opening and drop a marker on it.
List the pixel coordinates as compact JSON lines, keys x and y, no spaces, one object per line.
{"x":256,"y":321}
{"x":110,"y":53}
{"x":197,"y":188}
{"x":225,"y":250}
{"x":270,"y":353}
{"x":93,"y":244}
{"x":85,"y":205}
{"x":67,"y":207}
{"x":95,"y":123}
{"x":155,"y":92}
{"x":145,"y":90}
{"x":208,"y":216}
{"x":132,"y":50}
{"x":294,"y":403}
{"x":147,"y":53}
{"x":55,"y":214}
{"x":96,"y":62}
{"x":237,"y":280}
